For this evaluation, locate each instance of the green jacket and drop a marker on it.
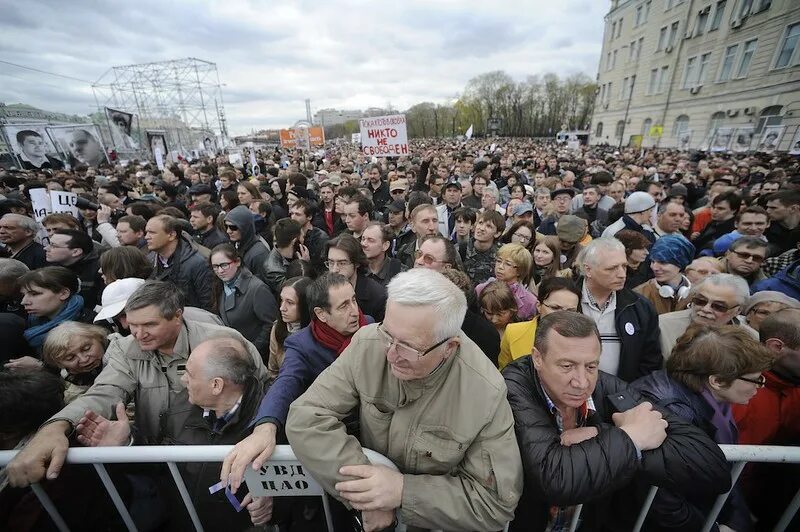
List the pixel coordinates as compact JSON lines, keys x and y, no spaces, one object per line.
{"x":451,"y":433}
{"x":153,"y":381}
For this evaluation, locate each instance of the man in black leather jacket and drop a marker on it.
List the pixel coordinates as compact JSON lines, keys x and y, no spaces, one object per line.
{"x":586,"y":438}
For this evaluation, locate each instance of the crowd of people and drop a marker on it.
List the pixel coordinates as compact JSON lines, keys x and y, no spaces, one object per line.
{"x":524,"y":330}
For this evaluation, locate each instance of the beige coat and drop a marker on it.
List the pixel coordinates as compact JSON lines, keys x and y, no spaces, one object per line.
{"x":674,"y":324}
{"x":153,"y":381}
{"x":451,"y":434}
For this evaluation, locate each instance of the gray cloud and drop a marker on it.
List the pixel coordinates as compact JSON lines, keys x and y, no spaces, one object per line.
{"x":272,"y":55}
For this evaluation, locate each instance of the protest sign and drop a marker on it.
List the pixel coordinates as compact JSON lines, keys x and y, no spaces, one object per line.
{"x":66,"y":202}
{"x":40,"y":201}
{"x":384,"y":136}
{"x":355,"y":138}
{"x":316,"y":137}
{"x":281,"y":479}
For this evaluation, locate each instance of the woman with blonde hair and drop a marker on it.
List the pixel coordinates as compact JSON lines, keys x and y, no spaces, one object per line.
{"x":78,"y":350}
{"x":513,"y":266}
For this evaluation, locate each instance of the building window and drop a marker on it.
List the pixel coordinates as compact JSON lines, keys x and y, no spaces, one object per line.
{"x":619,"y":27}
{"x":639,"y":16}
{"x":702,"y":21}
{"x":652,"y":84}
{"x":717,"y":119}
{"x":770,"y":116}
{"x":662,"y":39}
{"x":726,"y":69}
{"x":747,"y":58}
{"x":647,"y":10}
{"x":623,"y":90}
{"x":608,"y":61}
{"x":788,"y":54}
{"x":690,"y":73}
{"x":673,"y":33}
{"x":681,"y":126}
{"x":608,"y":94}
{"x":620,"y":129}
{"x":719,"y":11}
{"x":613,"y":59}
{"x":631,"y":51}
{"x":599,"y":129}
{"x":646,"y":127}
{"x":639,"y":47}
{"x":703,"y":68}
{"x":663,"y":79}
{"x":613,"y":30}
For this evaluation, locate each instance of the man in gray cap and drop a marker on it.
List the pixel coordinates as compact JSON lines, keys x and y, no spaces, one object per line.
{"x":638,"y":209}
{"x":571,"y":230}
{"x":522,"y":213}
{"x":763,"y":304}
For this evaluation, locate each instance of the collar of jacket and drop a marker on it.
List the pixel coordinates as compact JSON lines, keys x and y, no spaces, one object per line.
{"x":254,"y":391}
{"x":412,"y":390}
{"x":242,"y":280}
{"x":625,"y":297}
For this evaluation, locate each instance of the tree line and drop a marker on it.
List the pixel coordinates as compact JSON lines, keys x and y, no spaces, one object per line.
{"x":537,"y":107}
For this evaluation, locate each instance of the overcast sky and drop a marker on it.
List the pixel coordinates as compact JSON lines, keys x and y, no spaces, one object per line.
{"x":273,"y":55}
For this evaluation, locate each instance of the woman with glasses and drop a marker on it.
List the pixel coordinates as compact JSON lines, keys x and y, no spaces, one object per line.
{"x":711,"y":368}
{"x":512,"y":265}
{"x":294,"y":315}
{"x":555,"y":294}
{"x":241,"y":300}
{"x":521,"y":232}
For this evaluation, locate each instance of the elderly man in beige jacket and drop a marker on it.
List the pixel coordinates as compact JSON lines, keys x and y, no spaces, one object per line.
{"x":146,"y":366}
{"x":716,"y":300}
{"x":430,"y":401}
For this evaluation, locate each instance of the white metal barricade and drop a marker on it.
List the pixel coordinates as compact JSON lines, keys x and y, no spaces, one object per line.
{"x":171,"y":455}
{"x":739,"y":455}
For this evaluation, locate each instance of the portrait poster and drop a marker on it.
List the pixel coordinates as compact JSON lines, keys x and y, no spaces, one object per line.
{"x":794,"y":147}
{"x":32,"y":147}
{"x":120,"y":124}
{"x":157,"y":139}
{"x":742,"y":139}
{"x":79,"y":144}
{"x":721,"y":139}
{"x":685,"y":140}
{"x":770,"y":139}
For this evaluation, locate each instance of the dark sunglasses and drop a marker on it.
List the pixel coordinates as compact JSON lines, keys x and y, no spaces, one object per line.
{"x":718,"y":306}
{"x":749,"y":256}
{"x":232,"y":227}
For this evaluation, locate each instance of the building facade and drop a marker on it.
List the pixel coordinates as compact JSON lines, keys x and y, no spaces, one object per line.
{"x":700,"y":74}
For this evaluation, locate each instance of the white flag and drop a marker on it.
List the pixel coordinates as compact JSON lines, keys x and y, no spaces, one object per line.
{"x":468,"y":134}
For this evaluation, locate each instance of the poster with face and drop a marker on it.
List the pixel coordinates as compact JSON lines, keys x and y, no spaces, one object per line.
{"x":121,"y":125}
{"x":33,"y":147}
{"x":685,"y":140}
{"x":157,"y":139}
{"x":770,"y":139}
{"x":794,"y":147}
{"x":742,"y":139}
{"x":721,"y":138}
{"x":79,"y":144}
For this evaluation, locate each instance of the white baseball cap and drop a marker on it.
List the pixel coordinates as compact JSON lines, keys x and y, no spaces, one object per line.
{"x":115,"y":296}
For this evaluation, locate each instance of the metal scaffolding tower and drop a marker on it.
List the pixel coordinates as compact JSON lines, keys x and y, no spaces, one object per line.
{"x":182,"y":97}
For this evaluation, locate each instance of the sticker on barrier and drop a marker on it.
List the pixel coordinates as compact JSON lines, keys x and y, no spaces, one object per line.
{"x":282,"y":479}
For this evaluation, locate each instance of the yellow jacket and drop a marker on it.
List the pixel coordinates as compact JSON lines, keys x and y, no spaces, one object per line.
{"x":517,"y":341}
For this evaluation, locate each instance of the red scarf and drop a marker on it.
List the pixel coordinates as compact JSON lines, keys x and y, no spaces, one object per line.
{"x":330,"y":337}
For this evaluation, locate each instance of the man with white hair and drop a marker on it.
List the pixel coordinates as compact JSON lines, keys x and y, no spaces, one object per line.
{"x":17,"y":233}
{"x":411,"y":378}
{"x":627,"y":322}
{"x":716,"y":300}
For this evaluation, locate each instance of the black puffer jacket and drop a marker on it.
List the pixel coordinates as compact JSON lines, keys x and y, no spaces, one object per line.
{"x":604,"y":473}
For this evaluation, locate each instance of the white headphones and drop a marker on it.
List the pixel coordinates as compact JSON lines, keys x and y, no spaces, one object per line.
{"x":666,"y":291}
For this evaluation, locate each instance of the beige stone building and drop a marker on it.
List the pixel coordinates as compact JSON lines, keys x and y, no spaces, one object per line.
{"x":700,"y":74}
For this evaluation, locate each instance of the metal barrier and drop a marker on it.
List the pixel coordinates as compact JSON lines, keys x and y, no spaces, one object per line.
{"x":739,"y":455}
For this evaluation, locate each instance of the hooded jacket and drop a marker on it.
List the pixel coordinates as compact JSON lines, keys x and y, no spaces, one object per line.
{"x":251,"y":248}
{"x":605,"y":473}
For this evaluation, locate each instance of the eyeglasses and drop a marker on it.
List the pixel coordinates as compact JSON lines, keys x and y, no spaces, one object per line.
{"x":230,"y":227}
{"x":58,"y":247}
{"x":404,"y":350}
{"x":699,"y":301}
{"x":338,"y":263}
{"x":522,"y":238}
{"x":555,"y":308}
{"x":760,"y":382}
{"x":749,"y":256}
{"x":222,"y":266}
{"x":505,"y":263}
{"x":426,"y":258}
